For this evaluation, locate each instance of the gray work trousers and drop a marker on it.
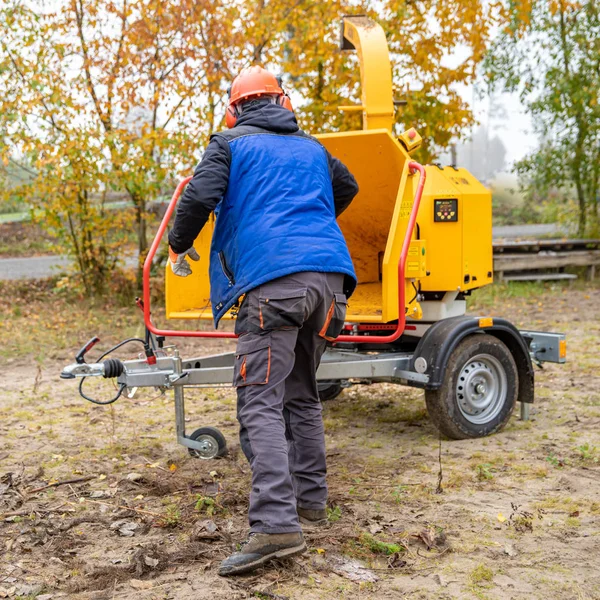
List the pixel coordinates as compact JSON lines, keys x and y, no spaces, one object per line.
{"x":284,"y":326}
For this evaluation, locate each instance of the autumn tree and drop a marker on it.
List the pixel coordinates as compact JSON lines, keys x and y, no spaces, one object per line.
{"x":105,"y":95}
{"x":550,"y":53}
{"x":121,"y":95}
{"x":433,"y":47}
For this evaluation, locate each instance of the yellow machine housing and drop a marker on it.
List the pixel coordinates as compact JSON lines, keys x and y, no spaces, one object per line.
{"x":451,"y":250}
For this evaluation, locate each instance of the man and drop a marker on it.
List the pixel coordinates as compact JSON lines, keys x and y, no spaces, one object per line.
{"x":276,"y":193}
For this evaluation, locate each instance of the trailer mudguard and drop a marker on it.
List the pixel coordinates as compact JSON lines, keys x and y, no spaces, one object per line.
{"x":440,"y":340}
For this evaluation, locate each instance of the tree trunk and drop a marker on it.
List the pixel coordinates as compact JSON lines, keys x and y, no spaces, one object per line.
{"x":140,"y":219}
{"x":582,"y":209}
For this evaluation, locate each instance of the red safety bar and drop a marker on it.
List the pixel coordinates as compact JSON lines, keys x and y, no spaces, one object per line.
{"x":371,"y":339}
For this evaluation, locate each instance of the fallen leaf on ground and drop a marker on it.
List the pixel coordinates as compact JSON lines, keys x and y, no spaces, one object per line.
{"x":206,"y":530}
{"x":395,"y":561}
{"x":151,"y":562}
{"x":432,"y":538}
{"x":125,"y":528}
{"x":375,"y":528}
{"x":139,"y":584}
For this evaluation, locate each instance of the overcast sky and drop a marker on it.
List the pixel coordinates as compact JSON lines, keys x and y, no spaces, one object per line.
{"x":515,"y":129}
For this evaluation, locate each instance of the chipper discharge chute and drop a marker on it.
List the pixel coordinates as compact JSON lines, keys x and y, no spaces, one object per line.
{"x":421,"y":241}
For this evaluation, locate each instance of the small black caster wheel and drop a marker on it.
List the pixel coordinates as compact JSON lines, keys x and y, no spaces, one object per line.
{"x":213,"y":443}
{"x":329,"y":391}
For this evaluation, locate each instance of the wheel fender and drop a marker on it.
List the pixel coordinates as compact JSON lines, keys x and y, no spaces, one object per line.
{"x":440,"y":340}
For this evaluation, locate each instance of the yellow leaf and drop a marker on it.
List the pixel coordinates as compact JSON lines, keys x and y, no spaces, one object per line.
{"x":320,"y":550}
{"x":140,"y":497}
{"x":172,"y":467}
{"x":102,"y":477}
{"x":501,"y":518}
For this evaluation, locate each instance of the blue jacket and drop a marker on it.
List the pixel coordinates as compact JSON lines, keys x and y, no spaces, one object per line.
{"x":275,"y":206}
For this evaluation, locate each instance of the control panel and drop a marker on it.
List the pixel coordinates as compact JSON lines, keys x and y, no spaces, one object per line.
{"x":445,"y":211}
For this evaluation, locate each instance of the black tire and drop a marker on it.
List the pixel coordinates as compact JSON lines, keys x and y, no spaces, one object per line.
{"x":215,"y":441}
{"x":469,"y":404}
{"x":329,"y":391}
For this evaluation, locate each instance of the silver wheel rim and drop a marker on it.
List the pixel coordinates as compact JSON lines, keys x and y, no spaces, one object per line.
{"x":481,"y":389}
{"x":210,"y":447}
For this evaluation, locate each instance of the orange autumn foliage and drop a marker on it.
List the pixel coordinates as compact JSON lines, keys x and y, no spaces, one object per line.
{"x":121,"y":95}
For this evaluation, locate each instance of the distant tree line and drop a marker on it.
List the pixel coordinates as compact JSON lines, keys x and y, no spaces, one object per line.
{"x":549,"y":52}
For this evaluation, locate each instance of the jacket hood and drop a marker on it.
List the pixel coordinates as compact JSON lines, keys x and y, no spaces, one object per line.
{"x":272,"y":117}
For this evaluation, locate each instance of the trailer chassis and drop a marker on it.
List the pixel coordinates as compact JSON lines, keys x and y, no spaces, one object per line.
{"x":344,"y":366}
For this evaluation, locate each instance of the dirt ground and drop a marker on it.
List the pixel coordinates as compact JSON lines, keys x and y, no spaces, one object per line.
{"x":101,"y":502}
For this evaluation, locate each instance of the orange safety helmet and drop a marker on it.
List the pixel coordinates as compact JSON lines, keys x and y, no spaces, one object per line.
{"x":254,"y":82}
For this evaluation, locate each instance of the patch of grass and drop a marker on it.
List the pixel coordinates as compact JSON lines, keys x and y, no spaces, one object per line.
{"x":481,"y":575}
{"x":456,"y":479}
{"x":374,"y":444}
{"x":484,"y":471}
{"x":529,"y":471}
{"x":399,"y":493}
{"x":334,"y":514}
{"x":206,"y":505}
{"x":530,"y":291}
{"x":587,"y":453}
{"x":572,"y":522}
{"x":376,"y":546}
{"x":556,"y":461}
{"x":558,"y":503}
{"x":171,"y":516}
{"x":366,"y":547}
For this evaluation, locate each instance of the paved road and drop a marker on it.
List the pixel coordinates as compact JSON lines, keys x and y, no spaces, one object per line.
{"x":37,"y":267}
{"x":34,"y":267}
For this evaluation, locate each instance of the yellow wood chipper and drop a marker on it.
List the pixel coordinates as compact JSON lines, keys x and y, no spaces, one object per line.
{"x":421,"y":242}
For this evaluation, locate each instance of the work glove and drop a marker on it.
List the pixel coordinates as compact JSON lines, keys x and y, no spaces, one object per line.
{"x":180,"y":266}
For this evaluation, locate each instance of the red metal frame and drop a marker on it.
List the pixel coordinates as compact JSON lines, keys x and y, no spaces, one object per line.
{"x":371,"y":339}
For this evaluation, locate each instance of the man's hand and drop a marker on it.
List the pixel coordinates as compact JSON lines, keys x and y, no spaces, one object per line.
{"x":178,"y":263}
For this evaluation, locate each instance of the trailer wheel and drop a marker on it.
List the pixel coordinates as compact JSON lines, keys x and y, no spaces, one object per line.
{"x":479,"y":390}
{"x":213,"y":441}
{"x":329,"y":391}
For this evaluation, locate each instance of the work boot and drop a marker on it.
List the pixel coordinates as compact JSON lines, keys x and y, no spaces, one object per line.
{"x":261,"y":548}
{"x":307,"y":516}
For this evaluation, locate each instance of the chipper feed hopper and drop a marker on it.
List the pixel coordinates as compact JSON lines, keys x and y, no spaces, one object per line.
{"x":421,"y":241}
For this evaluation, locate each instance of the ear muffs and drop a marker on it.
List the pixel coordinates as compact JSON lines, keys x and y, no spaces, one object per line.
{"x":230,"y":117}
{"x":230,"y":113}
{"x":285,"y":102}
